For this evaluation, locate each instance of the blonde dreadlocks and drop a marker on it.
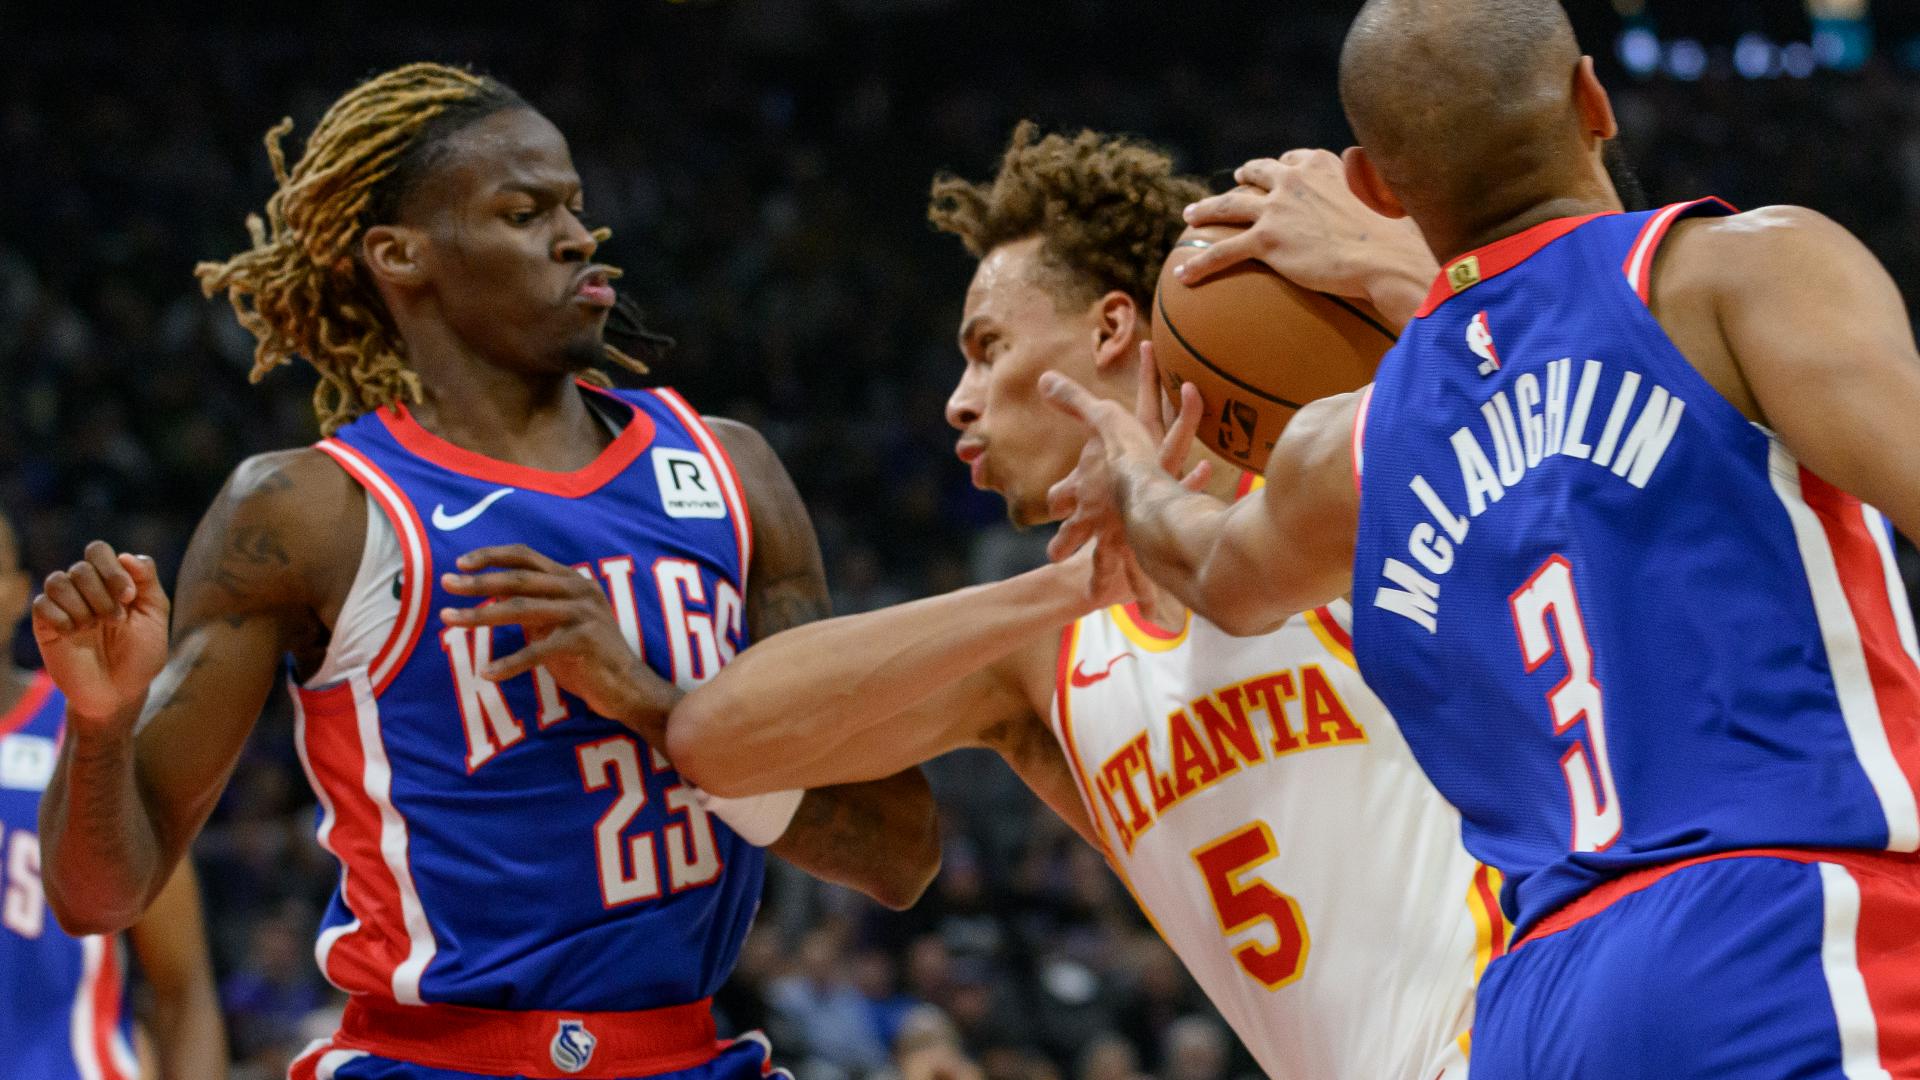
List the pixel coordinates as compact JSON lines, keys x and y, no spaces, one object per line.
{"x":298,"y":287}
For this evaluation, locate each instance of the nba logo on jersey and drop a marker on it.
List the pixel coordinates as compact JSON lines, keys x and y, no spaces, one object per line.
{"x":687,"y":488}
{"x":1480,"y":340}
{"x":572,"y":1046}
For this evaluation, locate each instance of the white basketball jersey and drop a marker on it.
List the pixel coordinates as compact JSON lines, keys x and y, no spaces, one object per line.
{"x":1267,"y":815}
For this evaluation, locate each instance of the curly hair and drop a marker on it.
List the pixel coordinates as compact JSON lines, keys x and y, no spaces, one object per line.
{"x":1107,"y":208}
{"x":299,"y":287}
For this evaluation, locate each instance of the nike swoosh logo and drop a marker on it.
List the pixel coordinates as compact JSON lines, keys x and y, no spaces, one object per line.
{"x":446,"y":522}
{"x":1081,"y":680}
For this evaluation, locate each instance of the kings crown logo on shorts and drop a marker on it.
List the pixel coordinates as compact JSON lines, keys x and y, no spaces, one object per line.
{"x":572,"y":1046}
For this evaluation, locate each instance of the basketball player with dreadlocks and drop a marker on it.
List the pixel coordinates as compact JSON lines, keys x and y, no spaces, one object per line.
{"x":528,"y":888}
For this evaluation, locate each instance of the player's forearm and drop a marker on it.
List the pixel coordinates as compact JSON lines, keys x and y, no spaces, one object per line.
{"x":102,"y":857}
{"x":189,"y":1035}
{"x":1182,"y":539}
{"x":882,"y":838}
{"x":798,"y":695}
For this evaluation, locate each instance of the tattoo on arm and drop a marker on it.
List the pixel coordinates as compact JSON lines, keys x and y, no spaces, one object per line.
{"x":795,"y":599}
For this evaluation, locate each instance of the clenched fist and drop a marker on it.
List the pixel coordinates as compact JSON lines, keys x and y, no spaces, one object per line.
{"x":102,"y":629}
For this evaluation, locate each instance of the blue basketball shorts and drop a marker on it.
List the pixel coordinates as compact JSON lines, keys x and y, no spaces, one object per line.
{"x":1762,"y":965}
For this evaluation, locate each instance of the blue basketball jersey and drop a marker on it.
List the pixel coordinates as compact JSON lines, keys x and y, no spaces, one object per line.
{"x":501,"y":846}
{"x":61,"y":998}
{"x":1620,"y":624}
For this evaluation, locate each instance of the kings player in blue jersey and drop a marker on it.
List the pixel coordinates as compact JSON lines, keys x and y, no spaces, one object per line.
{"x":1608,"y":517}
{"x":527,"y":887}
{"x":64,"y":1008}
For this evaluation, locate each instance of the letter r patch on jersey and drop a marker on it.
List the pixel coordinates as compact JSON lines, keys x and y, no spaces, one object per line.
{"x":688,"y":487}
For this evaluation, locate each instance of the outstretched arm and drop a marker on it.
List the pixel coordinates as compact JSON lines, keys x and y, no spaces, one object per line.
{"x":1248,"y":566}
{"x":141,"y":769}
{"x":881,"y":837}
{"x":865,"y":695}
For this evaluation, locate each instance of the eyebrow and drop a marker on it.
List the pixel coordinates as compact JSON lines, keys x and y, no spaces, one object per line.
{"x":538,"y":190}
{"x":970,"y":330}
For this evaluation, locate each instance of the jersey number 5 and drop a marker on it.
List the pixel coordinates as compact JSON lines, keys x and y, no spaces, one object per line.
{"x":1596,"y":824}
{"x":1240,"y":904}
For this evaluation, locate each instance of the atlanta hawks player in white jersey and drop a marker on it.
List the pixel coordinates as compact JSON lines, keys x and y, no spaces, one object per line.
{"x":1252,"y":793}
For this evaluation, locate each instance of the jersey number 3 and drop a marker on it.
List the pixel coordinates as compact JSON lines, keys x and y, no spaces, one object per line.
{"x":1596,"y":820}
{"x":1241,"y":904}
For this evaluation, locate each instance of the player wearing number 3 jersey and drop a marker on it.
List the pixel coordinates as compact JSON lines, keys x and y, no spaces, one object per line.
{"x":1255,"y":796}
{"x":1601,"y":515}
{"x":527,"y":886}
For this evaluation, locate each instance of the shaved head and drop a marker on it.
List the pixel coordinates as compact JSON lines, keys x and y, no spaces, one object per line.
{"x":1469,"y":110}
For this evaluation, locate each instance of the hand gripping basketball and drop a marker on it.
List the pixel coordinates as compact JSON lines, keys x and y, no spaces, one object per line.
{"x":102,"y":629}
{"x":1123,"y":452}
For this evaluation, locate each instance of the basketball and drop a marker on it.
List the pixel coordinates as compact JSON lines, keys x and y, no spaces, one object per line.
{"x":1258,"y":346}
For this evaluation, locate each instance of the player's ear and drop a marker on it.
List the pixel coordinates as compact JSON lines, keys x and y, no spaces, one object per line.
{"x":1118,"y":328}
{"x":1367,"y":186}
{"x":1595,"y":107}
{"x":392,"y":254}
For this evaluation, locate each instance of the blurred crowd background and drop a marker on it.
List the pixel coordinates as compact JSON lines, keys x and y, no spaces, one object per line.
{"x":763,"y":164}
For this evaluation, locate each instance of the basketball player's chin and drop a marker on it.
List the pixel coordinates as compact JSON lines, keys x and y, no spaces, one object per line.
{"x":1027,"y":512}
{"x":584,"y":351}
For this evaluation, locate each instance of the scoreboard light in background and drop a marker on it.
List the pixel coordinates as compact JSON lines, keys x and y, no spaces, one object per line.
{"x":1842,"y":35}
{"x":1841,"y":39}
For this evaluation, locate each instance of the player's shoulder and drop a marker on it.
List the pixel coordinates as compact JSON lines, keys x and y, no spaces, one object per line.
{"x":1749,"y":243}
{"x":302,"y":483}
{"x":292,"y":519}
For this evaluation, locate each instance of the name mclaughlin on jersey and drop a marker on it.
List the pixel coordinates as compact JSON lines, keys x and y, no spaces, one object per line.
{"x":1524,"y":431}
{"x":1216,"y":735}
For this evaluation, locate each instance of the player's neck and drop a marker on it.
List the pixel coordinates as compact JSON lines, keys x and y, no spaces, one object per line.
{"x":1450,"y":241}
{"x":537,"y":421}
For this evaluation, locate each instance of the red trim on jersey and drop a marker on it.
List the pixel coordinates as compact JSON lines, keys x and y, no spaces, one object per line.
{"x":363,"y":960}
{"x":1639,"y":262}
{"x":107,"y":989}
{"x":647,"y":1042}
{"x":1501,"y":256}
{"x":1498,"y":929}
{"x":1245,"y":485}
{"x":1360,"y":433}
{"x":1863,"y":577}
{"x":623,"y":451}
{"x":38,"y":690}
{"x":1333,"y":628}
{"x":731,"y":488}
{"x":1149,"y":627}
{"x":416,"y":558}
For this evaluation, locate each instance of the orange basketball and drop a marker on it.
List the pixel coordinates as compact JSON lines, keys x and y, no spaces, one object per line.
{"x":1258,"y":346}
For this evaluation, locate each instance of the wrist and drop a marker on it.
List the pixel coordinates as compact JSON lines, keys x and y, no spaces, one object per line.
{"x":104,"y":731}
{"x":1398,"y":286}
{"x":647,"y":699}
